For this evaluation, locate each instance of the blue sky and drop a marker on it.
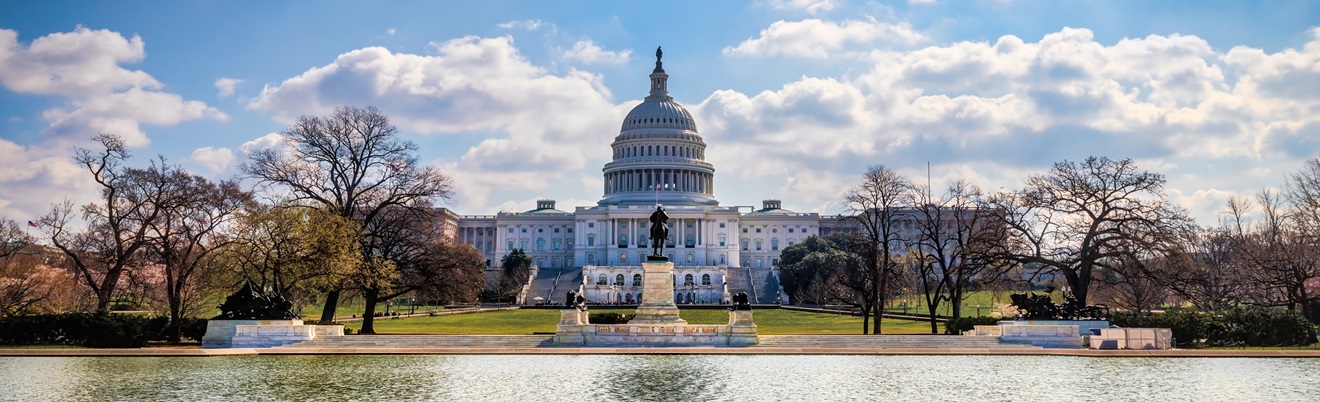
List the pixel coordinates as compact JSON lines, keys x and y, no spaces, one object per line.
{"x":519,"y":100}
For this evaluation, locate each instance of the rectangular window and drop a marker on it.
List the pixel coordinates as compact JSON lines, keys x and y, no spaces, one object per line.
{"x":790,"y":230}
{"x":570,"y":230}
{"x":556,"y":230}
{"x":510,"y":244}
{"x":721,"y":224}
{"x":758,"y":230}
{"x":510,"y":230}
{"x":591,"y":224}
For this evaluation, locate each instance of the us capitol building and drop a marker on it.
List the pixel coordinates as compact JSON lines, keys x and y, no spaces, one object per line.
{"x":658,"y":158}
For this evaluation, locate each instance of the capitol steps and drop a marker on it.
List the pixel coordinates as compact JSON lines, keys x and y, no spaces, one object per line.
{"x":543,"y":285}
{"x":767,"y":341}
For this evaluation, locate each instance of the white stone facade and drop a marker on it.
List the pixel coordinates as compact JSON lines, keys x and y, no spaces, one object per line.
{"x":658,"y":158}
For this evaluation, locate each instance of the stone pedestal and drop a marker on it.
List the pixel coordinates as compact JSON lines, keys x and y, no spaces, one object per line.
{"x":742,"y":331}
{"x":263,"y":333}
{"x":657,"y":295}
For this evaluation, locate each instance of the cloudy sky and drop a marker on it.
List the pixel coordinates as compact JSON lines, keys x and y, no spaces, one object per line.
{"x":519,"y":100}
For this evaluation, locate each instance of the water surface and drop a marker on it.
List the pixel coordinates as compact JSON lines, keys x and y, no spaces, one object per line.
{"x":657,"y":378}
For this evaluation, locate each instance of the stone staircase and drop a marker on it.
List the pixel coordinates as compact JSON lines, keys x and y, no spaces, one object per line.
{"x":738,"y":280}
{"x":766,"y":341}
{"x":542,"y":286}
{"x":427,"y":341}
{"x":766,"y":285}
{"x":887,"y":342}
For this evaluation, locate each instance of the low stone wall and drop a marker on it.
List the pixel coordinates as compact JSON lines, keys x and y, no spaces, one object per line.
{"x":1133,"y":338}
{"x":1045,"y":336}
{"x":573,"y":329}
{"x":1084,"y":327}
{"x":263,"y":333}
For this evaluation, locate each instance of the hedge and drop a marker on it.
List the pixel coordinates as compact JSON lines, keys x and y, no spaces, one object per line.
{"x":959,"y":325}
{"x":609,"y":318}
{"x":1237,"y":327}
{"x":94,"y":330}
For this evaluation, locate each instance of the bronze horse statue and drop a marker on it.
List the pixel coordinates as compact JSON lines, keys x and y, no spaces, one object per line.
{"x":659,"y":231}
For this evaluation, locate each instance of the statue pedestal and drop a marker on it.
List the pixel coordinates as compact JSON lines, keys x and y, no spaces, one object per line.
{"x":263,"y":333}
{"x":657,"y":295}
{"x":657,"y":322}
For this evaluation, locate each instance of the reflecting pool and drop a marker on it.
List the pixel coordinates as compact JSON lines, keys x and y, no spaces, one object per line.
{"x":659,"y":378}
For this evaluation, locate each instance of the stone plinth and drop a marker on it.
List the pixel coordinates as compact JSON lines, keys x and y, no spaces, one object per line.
{"x":1084,"y":327}
{"x":1045,"y":336}
{"x":263,"y":333}
{"x":740,"y":332}
{"x":657,"y":295}
{"x":1132,"y":338}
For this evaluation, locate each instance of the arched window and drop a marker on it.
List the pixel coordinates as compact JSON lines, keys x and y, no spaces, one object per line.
{"x":637,"y":280}
{"x":540,"y":244}
{"x":623,"y":240}
{"x":722,"y":240}
{"x":601,"y":280}
{"x":744,"y":245}
{"x":705,"y":279}
{"x":691,"y":241}
{"x":618,"y":279}
{"x":758,"y":245}
{"x":774,"y":244}
{"x":688,"y":280}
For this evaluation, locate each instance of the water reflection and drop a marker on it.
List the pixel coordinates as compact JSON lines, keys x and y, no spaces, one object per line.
{"x":655,"y":378}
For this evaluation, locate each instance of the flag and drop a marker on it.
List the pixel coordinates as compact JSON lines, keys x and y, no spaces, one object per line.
{"x":32,"y":224}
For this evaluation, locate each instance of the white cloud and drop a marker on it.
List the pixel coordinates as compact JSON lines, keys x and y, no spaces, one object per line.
{"x":268,"y":141}
{"x":84,"y":67}
{"x":470,"y":84}
{"x":527,"y":25}
{"x":226,"y":85}
{"x":588,"y":52}
{"x":391,"y":31}
{"x":921,"y":2}
{"x":809,"y":6}
{"x":1215,"y":123}
{"x":815,"y":38}
{"x":215,"y":159}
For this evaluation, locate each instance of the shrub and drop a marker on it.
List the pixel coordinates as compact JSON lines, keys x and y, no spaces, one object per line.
{"x":95,"y":330}
{"x":958,"y":325}
{"x":609,"y":318}
{"x":1237,"y":327}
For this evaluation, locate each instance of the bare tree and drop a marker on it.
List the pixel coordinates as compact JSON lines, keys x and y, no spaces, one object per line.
{"x":353,"y":164}
{"x":873,"y":208}
{"x":414,"y":254}
{"x":1205,"y":270}
{"x":1278,"y":252}
{"x":23,"y":284}
{"x":189,"y":234}
{"x":1080,"y":217}
{"x":118,"y":221}
{"x":958,"y":243}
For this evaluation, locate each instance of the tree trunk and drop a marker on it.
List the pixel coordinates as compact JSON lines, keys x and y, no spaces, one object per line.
{"x":866,"y":319}
{"x":331,"y":302}
{"x":369,"y":312}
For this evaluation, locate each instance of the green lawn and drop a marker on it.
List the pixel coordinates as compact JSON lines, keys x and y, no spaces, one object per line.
{"x":354,"y":308}
{"x":916,"y":304}
{"x":515,"y":322}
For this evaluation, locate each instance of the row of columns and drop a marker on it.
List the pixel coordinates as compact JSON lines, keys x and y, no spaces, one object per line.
{"x":677,"y":227}
{"x":664,"y":179}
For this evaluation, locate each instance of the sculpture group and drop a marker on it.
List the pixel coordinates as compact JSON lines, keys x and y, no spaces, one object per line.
{"x":249,"y":304}
{"x":1039,"y":307}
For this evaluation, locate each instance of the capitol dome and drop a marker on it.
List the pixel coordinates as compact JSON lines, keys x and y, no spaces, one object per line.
{"x":658,"y":155}
{"x":659,"y":114}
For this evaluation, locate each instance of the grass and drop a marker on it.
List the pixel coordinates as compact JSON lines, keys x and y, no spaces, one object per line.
{"x":916,"y":304}
{"x":522,"y":322}
{"x":355,"y":307}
